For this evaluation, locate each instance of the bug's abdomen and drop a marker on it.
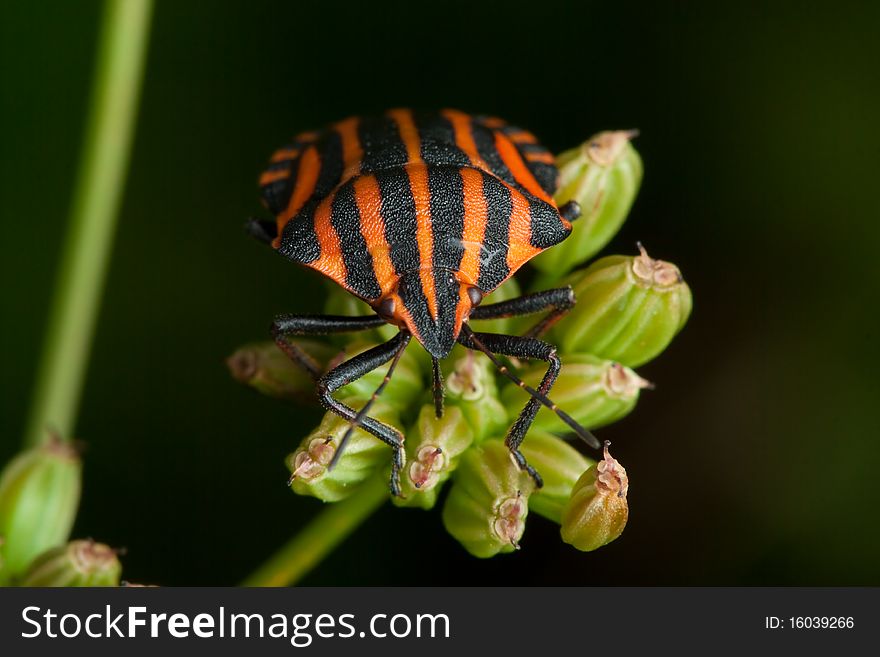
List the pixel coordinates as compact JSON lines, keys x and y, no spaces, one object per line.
{"x":370,"y":198}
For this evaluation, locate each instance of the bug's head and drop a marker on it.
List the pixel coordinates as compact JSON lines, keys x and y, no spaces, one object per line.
{"x":431,"y":304}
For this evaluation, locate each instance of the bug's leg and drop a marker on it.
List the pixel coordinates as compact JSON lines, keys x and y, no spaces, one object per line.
{"x":558,"y":301}
{"x":519,"y":347}
{"x":437,"y":387}
{"x":570,"y":210}
{"x":263,"y":230}
{"x":289,"y":325}
{"x":353,"y":369}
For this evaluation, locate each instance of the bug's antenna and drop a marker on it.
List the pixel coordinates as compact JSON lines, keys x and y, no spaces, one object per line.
{"x":261,"y":229}
{"x":361,"y":414}
{"x":582,"y":433}
{"x":438,"y":388}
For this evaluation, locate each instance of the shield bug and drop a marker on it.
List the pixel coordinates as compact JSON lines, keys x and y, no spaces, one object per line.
{"x":421,"y":215}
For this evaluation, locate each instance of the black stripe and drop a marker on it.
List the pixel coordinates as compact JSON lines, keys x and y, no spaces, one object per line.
{"x":299,"y":241}
{"x":447,"y":226}
{"x":360,"y":275}
{"x":438,"y":141}
{"x":493,"y":257}
{"x":447,"y":215}
{"x":381,"y":144}
{"x":484,"y":138}
{"x":276,"y":194}
{"x":399,"y":214}
{"x":546,"y":174}
{"x":545,"y":225}
{"x":330,"y":152}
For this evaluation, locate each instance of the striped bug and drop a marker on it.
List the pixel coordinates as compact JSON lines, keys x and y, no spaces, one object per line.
{"x":421,"y":215}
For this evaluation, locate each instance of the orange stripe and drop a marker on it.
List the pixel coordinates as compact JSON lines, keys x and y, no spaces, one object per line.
{"x":474,"y":224}
{"x":369,"y":202}
{"x":521,"y":137}
{"x":541,"y":156}
{"x":283,"y":154}
{"x":409,"y":134}
{"x":518,"y":168}
{"x":309,"y":168}
{"x":352,"y":152}
{"x":519,"y":237}
{"x":307,"y":136}
{"x":418,"y":180}
{"x":494,"y":122}
{"x":330,"y":261}
{"x":464,"y":138}
{"x":463,"y":308}
{"x":269,"y":177}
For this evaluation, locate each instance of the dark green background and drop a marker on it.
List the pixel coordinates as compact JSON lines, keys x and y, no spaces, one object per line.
{"x":754,"y":462}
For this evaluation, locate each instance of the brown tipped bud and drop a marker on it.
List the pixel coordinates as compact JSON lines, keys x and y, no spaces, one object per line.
{"x":269,"y":371}
{"x":471,"y":386}
{"x":592,"y":390}
{"x":560,"y":465}
{"x":628,"y":309}
{"x":79,"y":563}
{"x":433,"y":447}
{"x":309,"y":466}
{"x":597,"y":511}
{"x":488,"y":503}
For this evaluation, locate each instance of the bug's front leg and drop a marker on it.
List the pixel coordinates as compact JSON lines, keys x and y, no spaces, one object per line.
{"x":289,"y":325}
{"x":351,"y":370}
{"x":558,"y":301}
{"x":520,"y":347}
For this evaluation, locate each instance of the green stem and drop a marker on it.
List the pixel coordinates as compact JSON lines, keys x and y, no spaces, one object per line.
{"x":327,"y":530}
{"x":97,"y":194}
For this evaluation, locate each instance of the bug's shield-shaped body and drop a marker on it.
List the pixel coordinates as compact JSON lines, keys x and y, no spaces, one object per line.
{"x":418,"y":214}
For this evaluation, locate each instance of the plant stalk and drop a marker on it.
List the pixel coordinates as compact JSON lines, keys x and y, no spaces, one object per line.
{"x":327,"y":530}
{"x":97,"y":194}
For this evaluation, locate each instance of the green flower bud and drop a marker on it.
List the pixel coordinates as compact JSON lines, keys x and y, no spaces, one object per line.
{"x":363,"y":454}
{"x":560,"y":466}
{"x":597,"y":511}
{"x":471,"y":386}
{"x":341,"y":302}
{"x":269,"y":371}
{"x":406,"y":385}
{"x":594,"y":391}
{"x":39,"y":495}
{"x":628,"y":309}
{"x":488,"y":503}
{"x":433,"y":447}
{"x":79,"y":563}
{"x":603,"y":175}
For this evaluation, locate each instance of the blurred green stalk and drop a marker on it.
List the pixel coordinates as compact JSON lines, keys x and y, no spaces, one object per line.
{"x":327,"y":530}
{"x":97,"y":194}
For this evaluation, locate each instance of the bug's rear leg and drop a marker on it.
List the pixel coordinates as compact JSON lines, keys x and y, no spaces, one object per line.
{"x":519,"y":347}
{"x":289,"y":325}
{"x":351,"y":370}
{"x":557,"y":300}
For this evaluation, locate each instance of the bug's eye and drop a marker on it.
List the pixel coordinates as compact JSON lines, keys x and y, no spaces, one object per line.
{"x":386,"y":308}
{"x":476,"y":296}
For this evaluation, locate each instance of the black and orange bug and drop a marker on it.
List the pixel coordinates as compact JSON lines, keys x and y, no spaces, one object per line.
{"x":421,"y":215}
